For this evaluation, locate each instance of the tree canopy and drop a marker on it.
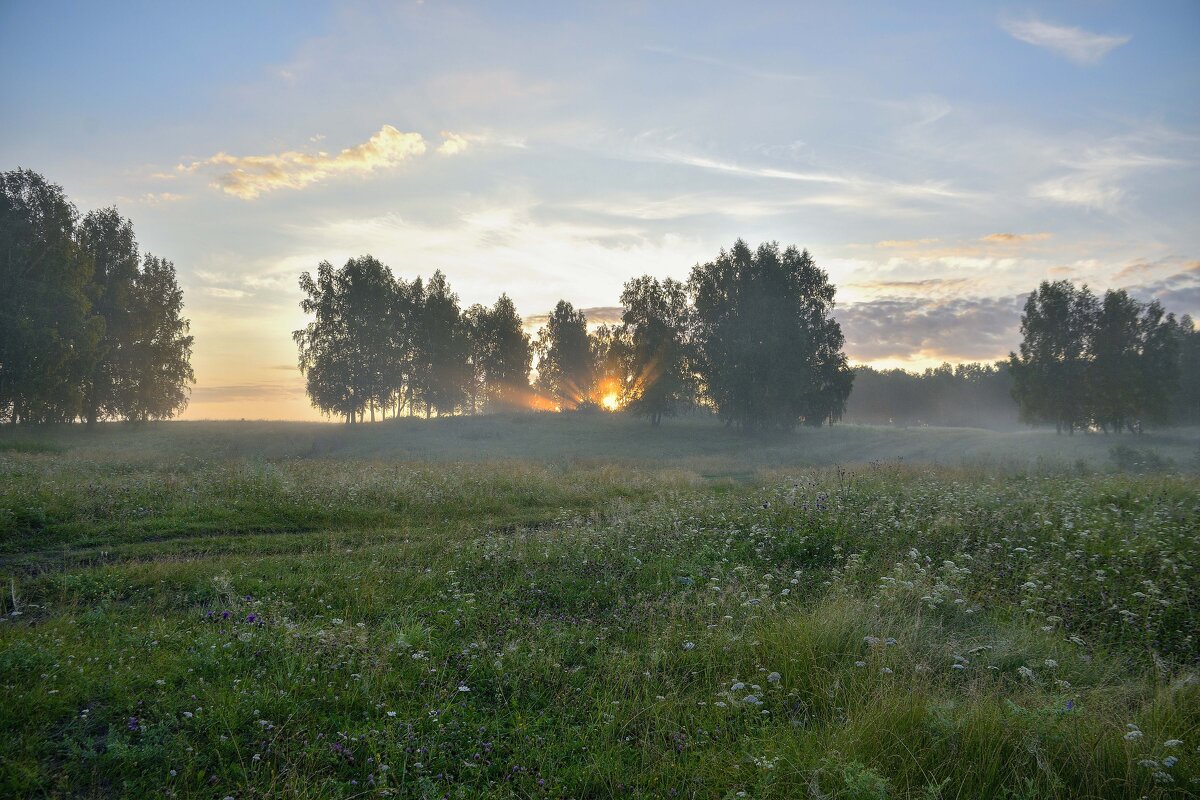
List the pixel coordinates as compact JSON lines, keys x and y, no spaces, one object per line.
{"x":89,"y":328}
{"x":1112,"y":363}
{"x":769,"y":353}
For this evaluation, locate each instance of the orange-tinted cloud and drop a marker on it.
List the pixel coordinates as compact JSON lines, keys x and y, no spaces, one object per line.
{"x":248,"y":177}
{"x":1012,"y":238}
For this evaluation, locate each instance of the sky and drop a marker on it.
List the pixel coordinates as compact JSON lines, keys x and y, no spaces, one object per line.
{"x":938,"y":160}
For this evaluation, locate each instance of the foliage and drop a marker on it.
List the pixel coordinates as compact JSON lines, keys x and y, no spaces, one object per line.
{"x":566,"y":366}
{"x":658,"y":363}
{"x":962,"y":395}
{"x":47,"y":330}
{"x":345,"y":352}
{"x":769,"y":353}
{"x":89,"y":328}
{"x":1112,"y":363}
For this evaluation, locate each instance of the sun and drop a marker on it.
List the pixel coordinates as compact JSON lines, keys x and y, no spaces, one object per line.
{"x":610,"y":401}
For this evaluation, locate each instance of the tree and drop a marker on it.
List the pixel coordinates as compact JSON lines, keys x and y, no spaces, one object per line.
{"x":1051,"y":373}
{"x":501,"y":355}
{"x":565,"y":369}
{"x":1185,"y":402}
{"x":47,"y":331}
{"x":345,"y":351}
{"x":443,"y":349}
{"x":1158,"y":378}
{"x":140,"y":365}
{"x":656,"y":322}
{"x":153,"y":381}
{"x":768,"y":352}
{"x":1114,"y":368}
{"x":109,"y":242}
{"x":961,"y":395}
{"x":611,"y":377}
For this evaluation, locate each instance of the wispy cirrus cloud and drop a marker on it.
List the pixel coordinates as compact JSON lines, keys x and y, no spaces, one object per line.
{"x":1015,"y":238}
{"x":1074,"y":44}
{"x":248,"y":177}
{"x":1096,"y":176}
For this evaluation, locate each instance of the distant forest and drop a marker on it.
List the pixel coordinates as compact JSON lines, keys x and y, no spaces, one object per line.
{"x":92,"y":329}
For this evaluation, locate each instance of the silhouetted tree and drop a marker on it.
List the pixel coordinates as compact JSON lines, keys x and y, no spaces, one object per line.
{"x":443,"y":349}
{"x":140,"y":366}
{"x":155,"y":385}
{"x":346,"y":349}
{"x":108,"y":240}
{"x":962,"y":395}
{"x":611,"y":378}
{"x":1050,"y":375}
{"x":84,"y":330}
{"x":1185,"y":403}
{"x":501,"y":355}
{"x":656,"y":325}
{"x":769,"y":353}
{"x":1112,"y":363}
{"x":565,"y":366}
{"x":1159,"y":365}
{"x":47,"y":333}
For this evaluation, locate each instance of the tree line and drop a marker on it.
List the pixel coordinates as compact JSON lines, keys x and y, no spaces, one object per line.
{"x":1112,"y":363}
{"x":749,"y":336}
{"x":1118,"y":365}
{"x":90,"y":327}
{"x":970,"y":395}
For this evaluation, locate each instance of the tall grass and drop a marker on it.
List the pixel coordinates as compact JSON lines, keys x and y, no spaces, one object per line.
{"x":337,"y":626}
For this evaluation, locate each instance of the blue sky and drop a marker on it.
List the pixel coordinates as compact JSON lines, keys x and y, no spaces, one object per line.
{"x":938,"y":159}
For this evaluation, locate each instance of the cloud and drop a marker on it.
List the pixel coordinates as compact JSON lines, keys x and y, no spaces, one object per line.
{"x":247,"y":391}
{"x":926,"y":286}
{"x":596,"y":316}
{"x":915,"y":328}
{"x":1093,"y":181}
{"x":454,"y":144}
{"x":227,"y":294}
{"x":155,"y":198}
{"x":905,"y":243}
{"x":1012,"y":238}
{"x":249,"y":176}
{"x":1074,"y":44}
{"x":1178,"y":293}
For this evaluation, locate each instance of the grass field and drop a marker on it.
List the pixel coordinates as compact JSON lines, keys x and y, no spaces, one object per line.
{"x":574,"y":606}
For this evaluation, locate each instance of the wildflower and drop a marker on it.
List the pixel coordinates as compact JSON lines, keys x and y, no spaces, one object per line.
{"x":391,"y":713}
{"x":860,"y":663}
{"x":1051,"y":663}
{"x":774,"y":677}
{"x":1172,"y":742}
{"x":688,"y":645}
{"x":751,"y":700}
{"x":1026,"y":673}
{"x":462,"y":687}
{"x":737,"y":686}
{"x":1170,"y":761}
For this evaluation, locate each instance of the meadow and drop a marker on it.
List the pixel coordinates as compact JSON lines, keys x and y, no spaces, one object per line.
{"x":582,"y":606}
